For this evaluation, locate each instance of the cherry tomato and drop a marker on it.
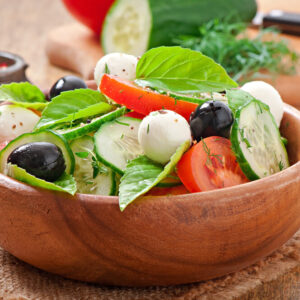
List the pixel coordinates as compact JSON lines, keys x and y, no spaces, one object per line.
{"x":209,"y":165}
{"x":89,"y":12}
{"x":140,"y":99}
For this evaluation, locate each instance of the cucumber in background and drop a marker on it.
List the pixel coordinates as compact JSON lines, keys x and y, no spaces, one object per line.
{"x":134,"y":26}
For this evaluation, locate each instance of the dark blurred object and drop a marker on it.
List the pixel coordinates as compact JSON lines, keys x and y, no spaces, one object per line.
{"x":285,"y":21}
{"x":12,"y":68}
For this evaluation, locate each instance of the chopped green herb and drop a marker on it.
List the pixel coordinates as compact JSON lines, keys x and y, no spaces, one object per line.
{"x":122,"y":123}
{"x":244,"y":139}
{"x":106,"y":69}
{"x":281,"y":166}
{"x":121,"y":91}
{"x":210,"y":155}
{"x":243,"y":57}
{"x":148,"y":128}
{"x":139,"y":97}
{"x":122,"y":136}
{"x":82,"y":154}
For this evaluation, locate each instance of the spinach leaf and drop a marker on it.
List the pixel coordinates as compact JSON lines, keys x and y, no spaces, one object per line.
{"x":73,"y":105}
{"x":142,"y":174}
{"x":237,"y":98}
{"x":65,"y":183}
{"x":23,"y":94}
{"x":181,"y":70}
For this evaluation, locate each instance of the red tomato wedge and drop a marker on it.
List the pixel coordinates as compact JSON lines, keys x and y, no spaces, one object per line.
{"x":140,"y":99}
{"x":209,"y":165}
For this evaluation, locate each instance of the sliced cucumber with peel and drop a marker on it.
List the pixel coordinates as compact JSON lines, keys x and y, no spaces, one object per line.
{"x":104,"y":183}
{"x":116,"y":143}
{"x":86,"y":128}
{"x":134,"y":26}
{"x":42,"y":136}
{"x":256,"y":141}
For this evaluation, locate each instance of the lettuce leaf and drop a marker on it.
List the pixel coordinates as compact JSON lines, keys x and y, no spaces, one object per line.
{"x":23,"y":94}
{"x":66,"y":183}
{"x":142,"y":174}
{"x":181,"y":70}
{"x":72,"y":105}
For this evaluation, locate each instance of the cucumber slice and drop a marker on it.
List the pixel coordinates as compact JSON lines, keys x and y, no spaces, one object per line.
{"x":133,"y":26}
{"x":104,"y":183}
{"x":42,"y":136}
{"x":257,"y":142}
{"x":116,"y":143}
{"x":83,"y":129}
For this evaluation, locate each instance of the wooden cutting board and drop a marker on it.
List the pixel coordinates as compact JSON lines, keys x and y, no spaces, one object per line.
{"x":76,"y":48}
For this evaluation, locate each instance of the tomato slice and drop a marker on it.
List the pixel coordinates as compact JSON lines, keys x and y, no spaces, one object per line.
{"x":134,"y":114}
{"x":209,"y":165}
{"x":142,"y":100}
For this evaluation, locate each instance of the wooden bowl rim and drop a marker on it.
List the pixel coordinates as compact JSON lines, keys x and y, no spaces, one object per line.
{"x":218,"y":193}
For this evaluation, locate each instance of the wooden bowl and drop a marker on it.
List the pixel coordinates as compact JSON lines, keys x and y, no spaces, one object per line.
{"x":157,"y":240}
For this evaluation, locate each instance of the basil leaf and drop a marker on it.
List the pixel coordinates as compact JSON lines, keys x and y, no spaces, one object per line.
{"x":182,"y":71}
{"x":73,"y":105}
{"x":142,"y":174}
{"x":237,"y":98}
{"x":23,"y":94}
{"x":65,"y":183}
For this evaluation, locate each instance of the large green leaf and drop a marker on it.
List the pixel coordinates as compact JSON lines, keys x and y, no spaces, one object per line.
{"x":65,"y":183}
{"x":142,"y":174}
{"x":72,"y":105}
{"x":23,"y":94}
{"x":181,"y":70}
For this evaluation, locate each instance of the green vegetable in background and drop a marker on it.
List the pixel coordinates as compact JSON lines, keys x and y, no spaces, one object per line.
{"x":23,"y":94}
{"x":243,"y":58}
{"x":72,"y":105}
{"x":181,"y":70}
{"x":142,"y":174}
{"x":134,"y":26}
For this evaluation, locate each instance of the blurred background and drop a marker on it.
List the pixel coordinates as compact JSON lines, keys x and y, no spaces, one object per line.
{"x":54,"y":44}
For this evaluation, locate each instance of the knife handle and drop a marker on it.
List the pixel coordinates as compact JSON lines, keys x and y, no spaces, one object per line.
{"x":285,"y":21}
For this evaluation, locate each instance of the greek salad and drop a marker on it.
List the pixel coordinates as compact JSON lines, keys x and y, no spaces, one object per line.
{"x":169,"y":122}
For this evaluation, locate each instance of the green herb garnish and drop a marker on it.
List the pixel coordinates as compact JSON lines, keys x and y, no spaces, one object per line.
{"x":243,"y":57}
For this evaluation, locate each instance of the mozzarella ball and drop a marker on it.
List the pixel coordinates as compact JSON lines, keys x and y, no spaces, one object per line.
{"x":267,"y":94}
{"x":119,"y":64}
{"x":161,"y":133}
{"x":15,"y":120}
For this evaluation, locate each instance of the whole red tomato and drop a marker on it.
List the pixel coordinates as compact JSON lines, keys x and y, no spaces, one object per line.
{"x":89,"y":12}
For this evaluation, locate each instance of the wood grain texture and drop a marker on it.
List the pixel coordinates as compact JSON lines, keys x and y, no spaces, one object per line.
{"x":158,"y":240}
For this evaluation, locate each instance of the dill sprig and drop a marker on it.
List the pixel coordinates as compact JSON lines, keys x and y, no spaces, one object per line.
{"x":243,"y":57}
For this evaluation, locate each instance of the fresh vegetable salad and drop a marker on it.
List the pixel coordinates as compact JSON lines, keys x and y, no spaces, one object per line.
{"x":169,"y":122}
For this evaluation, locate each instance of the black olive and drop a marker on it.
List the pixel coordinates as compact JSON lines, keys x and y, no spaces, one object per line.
{"x":66,"y":83}
{"x":41,"y":159}
{"x":212,"y":118}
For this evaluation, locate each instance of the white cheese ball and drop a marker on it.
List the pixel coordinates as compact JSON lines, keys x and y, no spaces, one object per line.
{"x":161,"y":133}
{"x":119,"y":64}
{"x":15,"y":120}
{"x":267,"y":94}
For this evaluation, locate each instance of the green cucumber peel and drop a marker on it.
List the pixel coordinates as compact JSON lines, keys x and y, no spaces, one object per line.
{"x":65,"y":183}
{"x":142,"y":174}
{"x":182,"y":71}
{"x":73,"y":105}
{"x":83,"y":129}
{"x":23,"y":94}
